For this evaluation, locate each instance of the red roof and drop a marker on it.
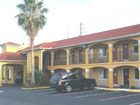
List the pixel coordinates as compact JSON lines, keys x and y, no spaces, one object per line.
{"x":10,"y":43}
{"x":96,"y":37}
{"x":11,"y":56}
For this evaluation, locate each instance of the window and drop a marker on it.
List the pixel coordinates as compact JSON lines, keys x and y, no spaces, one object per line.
{"x":103,"y":74}
{"x":136,"y":73}
{"x":135,"y":48}
{"x":102,"y":51}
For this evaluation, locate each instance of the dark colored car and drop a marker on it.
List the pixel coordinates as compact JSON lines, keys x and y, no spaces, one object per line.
{"x":70,"y":81}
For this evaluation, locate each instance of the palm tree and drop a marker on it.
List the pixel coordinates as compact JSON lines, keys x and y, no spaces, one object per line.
{"x":32,"y":19}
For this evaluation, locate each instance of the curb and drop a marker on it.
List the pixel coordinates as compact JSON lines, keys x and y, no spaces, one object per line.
{"x":119,"y":89}
{"x":35,"y":88}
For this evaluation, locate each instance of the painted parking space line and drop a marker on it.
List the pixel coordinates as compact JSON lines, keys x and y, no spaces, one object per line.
{"x":1,"y":91}
{"x":137,"y":103}
{"x":91,"y":95}
{"x":113,"y":98}
{"x":76,"y":93}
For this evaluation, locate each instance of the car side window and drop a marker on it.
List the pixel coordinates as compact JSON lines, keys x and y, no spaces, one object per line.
{"x":72,"y":77}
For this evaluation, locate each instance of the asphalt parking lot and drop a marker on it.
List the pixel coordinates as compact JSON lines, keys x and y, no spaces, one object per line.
{"x":13,"y":95}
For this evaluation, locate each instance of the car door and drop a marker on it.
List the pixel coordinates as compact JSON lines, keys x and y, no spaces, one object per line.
{"x":81,"y":81}
{"x":74,"y":81}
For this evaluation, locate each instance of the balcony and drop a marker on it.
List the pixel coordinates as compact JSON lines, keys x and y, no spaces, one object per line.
{"x":118,"y":56}
{"x":121,"y":56}
{"x":98,"y":58}
{"x":60,"y":60}
{"x":77,"y":59}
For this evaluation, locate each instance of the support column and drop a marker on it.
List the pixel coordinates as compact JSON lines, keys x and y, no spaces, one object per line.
{"x":0,"y":75}
{"x":41,"y":60}
{"x":110,"y":53}
{"x":110,"y":78}
{"x":87,"y":56}
{"x":87,"y":73}
{"x":68,"y":56}
{"x":52,"y":72}
{"x":52,"y":58}
{"x":67,"y":71}
{"x":139,"y":49}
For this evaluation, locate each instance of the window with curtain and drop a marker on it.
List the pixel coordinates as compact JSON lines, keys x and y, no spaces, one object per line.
{"x":102,"y":74}
{"x":102,"y":51}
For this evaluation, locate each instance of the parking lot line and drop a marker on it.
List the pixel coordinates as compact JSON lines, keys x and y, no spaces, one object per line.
{"x":83,"y":96}
{"x":76,"y":92}
{"x":137,"y":103}
{"x":113,"y":98}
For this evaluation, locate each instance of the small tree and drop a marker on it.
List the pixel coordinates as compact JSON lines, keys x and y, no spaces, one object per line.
{"x":32,"y":19}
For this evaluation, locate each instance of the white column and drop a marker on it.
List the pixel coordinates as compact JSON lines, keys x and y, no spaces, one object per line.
{"x":87,"y":73}
{"x":67,"y":71}
{"x":52,"y":72}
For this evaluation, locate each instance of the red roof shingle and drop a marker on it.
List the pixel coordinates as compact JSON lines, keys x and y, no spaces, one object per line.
{"x":11,"y":56}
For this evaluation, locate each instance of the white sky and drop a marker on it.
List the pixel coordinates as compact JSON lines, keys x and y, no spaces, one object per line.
{"x":96,"y":15}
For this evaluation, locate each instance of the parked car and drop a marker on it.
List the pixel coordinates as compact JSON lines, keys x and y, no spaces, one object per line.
{"x":70,"y":81}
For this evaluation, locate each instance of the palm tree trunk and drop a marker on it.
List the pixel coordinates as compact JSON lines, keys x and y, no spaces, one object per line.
{"x":32,"y":62}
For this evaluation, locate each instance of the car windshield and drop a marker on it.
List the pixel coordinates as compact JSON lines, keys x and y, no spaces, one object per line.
{"x":56,"y":77}
{"x":72,"y":76}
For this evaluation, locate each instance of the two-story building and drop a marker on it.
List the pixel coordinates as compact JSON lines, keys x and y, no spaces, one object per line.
{"x":111,"y":57}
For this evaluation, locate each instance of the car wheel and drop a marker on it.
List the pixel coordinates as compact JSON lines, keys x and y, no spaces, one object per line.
{"x":68,"y":88}
{"x":92,"y":86}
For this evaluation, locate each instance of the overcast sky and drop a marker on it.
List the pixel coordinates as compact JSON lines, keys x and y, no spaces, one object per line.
{"x":64,"y":17}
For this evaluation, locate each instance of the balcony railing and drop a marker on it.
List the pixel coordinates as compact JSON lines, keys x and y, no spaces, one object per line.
{"x":60,"y":60}
{"x":98,"y":58}
{"x":118,"y":56}
{"x":77,"y":59}
{"x":121,"y":56}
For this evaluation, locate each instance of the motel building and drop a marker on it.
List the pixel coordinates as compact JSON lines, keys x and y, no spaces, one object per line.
{"x":111,"y":57}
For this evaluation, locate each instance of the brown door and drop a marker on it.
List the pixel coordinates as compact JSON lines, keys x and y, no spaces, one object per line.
{"x":115,"y":76}
{"x":125,"y":51}
{"x":115,"y":53}
{"x":126,"y":76}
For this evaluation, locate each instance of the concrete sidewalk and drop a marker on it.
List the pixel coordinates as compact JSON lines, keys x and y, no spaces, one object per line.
{"x":119,"y":89}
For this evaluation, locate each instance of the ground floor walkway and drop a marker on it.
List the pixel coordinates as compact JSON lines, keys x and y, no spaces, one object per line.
{"x":120,"y":76}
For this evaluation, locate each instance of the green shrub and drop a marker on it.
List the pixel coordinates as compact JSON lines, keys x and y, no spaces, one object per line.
{"x":133,"y":87}
{"x":40,"y":77}
{"x":124,"y":86}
